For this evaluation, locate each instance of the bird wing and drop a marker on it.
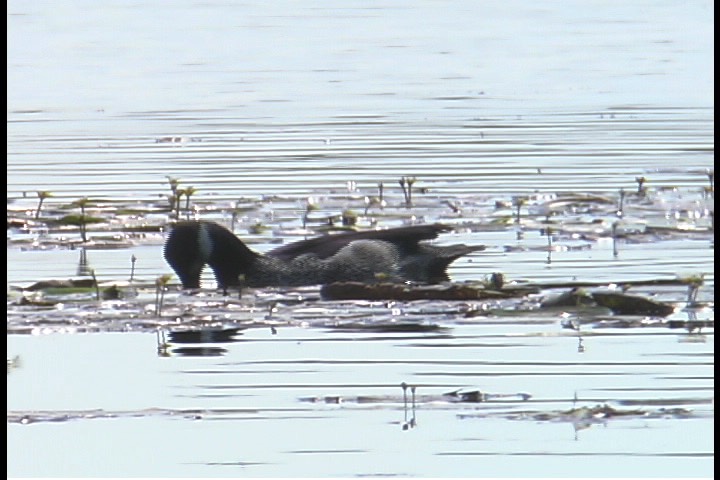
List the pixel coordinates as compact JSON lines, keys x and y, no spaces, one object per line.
{"x":406,"y":238}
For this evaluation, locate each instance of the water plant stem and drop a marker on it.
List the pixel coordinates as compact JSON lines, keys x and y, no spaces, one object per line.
{"x":133,"y":259}
{"x":95,"y":284}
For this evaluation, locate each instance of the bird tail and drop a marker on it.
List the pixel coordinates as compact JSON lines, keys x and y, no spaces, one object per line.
{"x":437,"y":269}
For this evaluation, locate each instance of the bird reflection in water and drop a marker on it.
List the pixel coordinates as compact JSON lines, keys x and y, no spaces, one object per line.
{"x":195,"y":339}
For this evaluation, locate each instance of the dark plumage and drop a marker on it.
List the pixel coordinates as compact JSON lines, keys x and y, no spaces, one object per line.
{"x":396,"y":254}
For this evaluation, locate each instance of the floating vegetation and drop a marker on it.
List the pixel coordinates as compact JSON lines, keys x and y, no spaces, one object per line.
{"x":13,"y":363}
{"x":618,"y":303}
{"x":581,"y":417}
{"x":381,"y":307}
{"x":561,"y":224}
{"x":586,"y":416}
{"x":622,"y":304}
{"x":62,"y":286}
{"x":394,"y":291}
{"x":48,"y":293}
{"x":41,"y":416}
{"x":454,"y":397}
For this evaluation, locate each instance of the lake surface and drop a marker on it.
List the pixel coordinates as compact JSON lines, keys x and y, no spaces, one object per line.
{"x":267,"y":108}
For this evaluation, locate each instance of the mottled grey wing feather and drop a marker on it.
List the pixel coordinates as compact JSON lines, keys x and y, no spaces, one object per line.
{"x":406,"y":238}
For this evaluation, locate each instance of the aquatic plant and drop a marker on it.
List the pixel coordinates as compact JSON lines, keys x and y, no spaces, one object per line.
{"x":240,"y":285}
{"x":95,"y":284}
{"x":412,"y":421}
{"x":133,"y":259}
{"x":82,"y":203}
{"x":407,"y":192}
{"x":13,"y":363}
{"x":257,"y":228}
{"x":518,"y":202}
{"x":162,"y":344}
{"x":494,"y":281}
{"x":372,"y":201}
{"x":42,"y":196}
{"x":174,"y":197}
{"x":454,"y":207}
{"x":710,"y":190}
{"x":160,"y":288}
{"x":80,"y":221}
{"x":174,"y":184}
{"x":641,"y":190}
{"x":614,"y":229}
{"x":694,"y":282}
{"x":548,"y":233}
{"x":271,"y":308}
{"x":83,"y":264}
{"x":233,"y":217}
{"x":188,"y":192}
{"x":310,"y":206}
{"x":349,"y":217}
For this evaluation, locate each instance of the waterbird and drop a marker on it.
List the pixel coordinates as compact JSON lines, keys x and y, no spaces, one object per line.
{"x":398,"y":254}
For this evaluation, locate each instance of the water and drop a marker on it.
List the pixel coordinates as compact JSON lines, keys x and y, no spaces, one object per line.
{"x":240,"y":414}
{"x":273,"y":103}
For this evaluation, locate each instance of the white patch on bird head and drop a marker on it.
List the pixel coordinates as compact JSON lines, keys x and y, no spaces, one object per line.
{"x":205,"y":242}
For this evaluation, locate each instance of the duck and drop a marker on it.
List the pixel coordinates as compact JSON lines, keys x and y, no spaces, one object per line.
{"x":401,"y":254}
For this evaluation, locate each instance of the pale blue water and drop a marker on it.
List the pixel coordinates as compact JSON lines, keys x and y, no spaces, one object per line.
{"x":249,"y":421}
{"x":481,"y":101}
